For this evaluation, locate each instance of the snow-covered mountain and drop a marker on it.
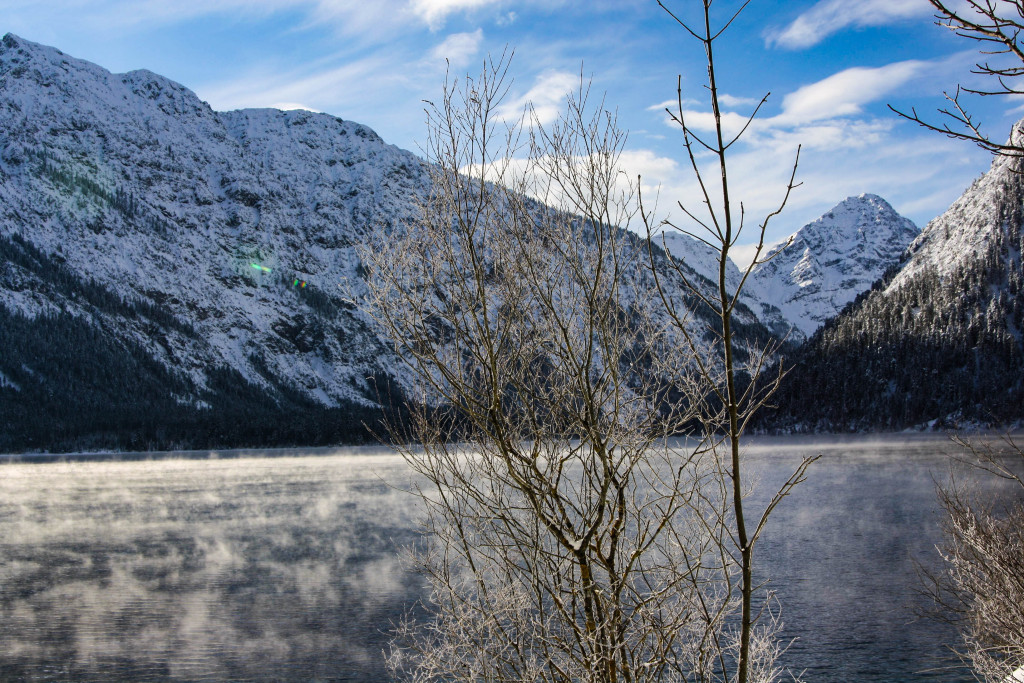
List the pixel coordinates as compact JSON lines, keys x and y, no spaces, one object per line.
{"x":699,"y":264}
{"x":826,"y":264}
{"x":831,"y":260}
{"x":170,"y":274}
{"x":983,"y":217}
{"x":226,"y":233}
{"x":940,"y":342}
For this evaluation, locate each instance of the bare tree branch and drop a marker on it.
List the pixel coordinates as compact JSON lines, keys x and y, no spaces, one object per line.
{"x":986,"y":22}
{"x":569,"y":537}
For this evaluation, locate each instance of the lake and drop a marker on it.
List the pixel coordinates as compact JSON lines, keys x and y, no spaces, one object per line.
{"x":262,"y":568}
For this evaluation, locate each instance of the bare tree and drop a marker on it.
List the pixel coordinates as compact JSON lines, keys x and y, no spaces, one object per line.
{"x":568,"y":539}
{"x":996,"y":25}
{"x":981,"y":585}
{"x":736,"y":390}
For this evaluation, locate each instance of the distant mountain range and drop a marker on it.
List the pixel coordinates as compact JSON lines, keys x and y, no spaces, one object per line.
{"x":169,"y":275}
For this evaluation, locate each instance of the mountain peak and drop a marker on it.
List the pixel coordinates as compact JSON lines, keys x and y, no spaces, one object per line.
{"x":832,"y":259}
{"x":851,"y":217}
{"x":12,"y":43}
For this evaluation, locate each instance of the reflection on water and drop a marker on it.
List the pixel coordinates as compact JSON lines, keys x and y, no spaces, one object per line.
{"x":251,"y":569}
{"x":286,"y":568}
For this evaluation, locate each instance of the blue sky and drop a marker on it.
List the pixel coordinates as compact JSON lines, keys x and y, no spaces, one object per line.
{"x":831,"y":67}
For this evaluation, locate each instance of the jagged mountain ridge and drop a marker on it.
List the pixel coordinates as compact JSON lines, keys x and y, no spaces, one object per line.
{"x":815,"y":272}
{"x":938,"y":342}
{"x":831,"y":260}
{"x":170,"y":274}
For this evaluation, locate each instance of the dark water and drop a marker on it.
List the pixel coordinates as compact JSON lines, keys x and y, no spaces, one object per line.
{"x":841,"y":554}
{"x":286,"y":568}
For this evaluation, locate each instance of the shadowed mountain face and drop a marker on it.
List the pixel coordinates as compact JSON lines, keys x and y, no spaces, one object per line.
{"x":171,"y":274}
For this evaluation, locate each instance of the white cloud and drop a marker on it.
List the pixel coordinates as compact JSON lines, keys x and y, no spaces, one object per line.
{"x":733,"y":101}
{"x":827,"y":113}
{"x":673,"y":104}
{"x":458,"y":48}
{"x":831,"y":16}
{"x":435,"y":12}
{"x":546,"y":96}
{"x":845,"y":93}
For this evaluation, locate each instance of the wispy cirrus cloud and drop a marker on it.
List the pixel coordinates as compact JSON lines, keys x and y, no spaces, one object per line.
{"x":365,"y":20}
{"x":330,"y":88}
{"x":831,"y":16}
{"x":368,"y":19}
{"x":435,"y":12}
{"x":545,"y":96}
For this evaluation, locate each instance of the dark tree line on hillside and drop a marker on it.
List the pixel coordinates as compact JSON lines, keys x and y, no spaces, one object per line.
{"x":69,"y":385}
{"x":946,"y":348}
{"x":77,"y":382}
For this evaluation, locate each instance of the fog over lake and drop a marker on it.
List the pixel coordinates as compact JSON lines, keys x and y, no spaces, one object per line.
{"x":287,"y":568}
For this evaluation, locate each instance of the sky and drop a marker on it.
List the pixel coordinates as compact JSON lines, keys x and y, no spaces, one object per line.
{"x":831,"y":68}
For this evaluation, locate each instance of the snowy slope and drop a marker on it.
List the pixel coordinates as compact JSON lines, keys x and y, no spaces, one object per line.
{"x":700,"y":265}
{"x":162,"y":246}
{"x":832,"y":259}
{"x":139,"y":185}
{"x":982,"y":216}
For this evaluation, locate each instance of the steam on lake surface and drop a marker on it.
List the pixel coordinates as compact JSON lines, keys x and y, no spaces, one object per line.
{"x":287,"y":568}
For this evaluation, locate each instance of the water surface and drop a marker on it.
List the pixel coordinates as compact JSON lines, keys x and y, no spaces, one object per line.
{"x":286,"y":568}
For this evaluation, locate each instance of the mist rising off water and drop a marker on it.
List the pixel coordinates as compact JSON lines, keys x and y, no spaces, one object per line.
{"x":286,"y":568}
{"x":259,"y":569}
